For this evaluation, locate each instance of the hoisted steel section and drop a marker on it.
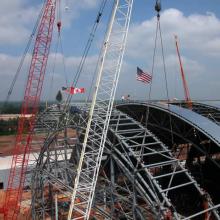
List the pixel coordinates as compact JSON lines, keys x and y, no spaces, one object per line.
{"x":100,"y":111}
{"x":29,"y":106}
{"x":156,"y":169}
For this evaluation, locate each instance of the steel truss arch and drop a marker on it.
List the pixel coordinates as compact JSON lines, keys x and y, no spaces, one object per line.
{"x":138,"y":170}
{"x":211,"y":112}
{"x":197,"y":149}
{"x":108,"y":71}
{"x":54,"y":174}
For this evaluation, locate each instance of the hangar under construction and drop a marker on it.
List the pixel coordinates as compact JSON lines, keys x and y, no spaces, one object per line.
{"x":102,"y":160}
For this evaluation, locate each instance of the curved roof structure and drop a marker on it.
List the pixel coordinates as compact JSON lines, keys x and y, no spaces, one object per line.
{"x":203,"y":124}
{"x":140,"y":175}
{"x":210,"y":111}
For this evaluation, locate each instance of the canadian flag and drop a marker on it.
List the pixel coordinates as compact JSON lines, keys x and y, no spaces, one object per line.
{"x":72,"y":90}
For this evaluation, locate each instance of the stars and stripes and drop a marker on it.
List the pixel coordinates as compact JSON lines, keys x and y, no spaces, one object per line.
{"x":143,"y":76}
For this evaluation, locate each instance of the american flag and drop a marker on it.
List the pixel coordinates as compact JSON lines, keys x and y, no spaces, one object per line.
{"x":142,"y":76}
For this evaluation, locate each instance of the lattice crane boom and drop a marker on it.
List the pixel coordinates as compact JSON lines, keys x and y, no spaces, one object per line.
{"x":100,"y":111}
{"x":30,"y":106}
{"x":186,"y":89}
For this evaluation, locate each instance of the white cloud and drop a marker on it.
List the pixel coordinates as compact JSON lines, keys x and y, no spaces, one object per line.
{"x":199,"y":37}
{"x":9,"y":64}
{"x":71,"y":9}
{"x":199,"y":45}
{"x":17,"y":18}
{"x":197,"y":33}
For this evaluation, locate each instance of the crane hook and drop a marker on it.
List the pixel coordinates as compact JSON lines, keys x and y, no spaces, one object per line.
{"x":158,"y":7}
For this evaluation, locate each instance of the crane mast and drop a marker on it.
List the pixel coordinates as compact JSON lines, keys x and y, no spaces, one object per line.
{"x":30,"y":105}
{"x":186,"y":89}
{"x":100,"y":111}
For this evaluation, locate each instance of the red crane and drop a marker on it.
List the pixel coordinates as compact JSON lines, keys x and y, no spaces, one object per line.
{"x":186,"y":89}
{"x":30,"y":105}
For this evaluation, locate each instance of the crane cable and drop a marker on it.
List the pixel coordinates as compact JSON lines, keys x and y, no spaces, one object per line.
{"x":58,"y":43}
{"x":165,"y":72}
{"x":152,"y":71}
{"x":158,"y":29}
{"x":63,"y":61}
{"x":23,"y":58}
{"x":57,"y":46}
{"x":53,"y":71}
{"x":93,"y":79}
{"x":166,"y":83}
{"x":86,"y":50}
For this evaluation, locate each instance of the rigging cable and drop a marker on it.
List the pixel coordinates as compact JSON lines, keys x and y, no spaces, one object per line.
{"x":53,"y":70}
{"x":158,"y":9}
{"x":58,"y":44}
{"x":63,"y":61}
{"x":166,"y":83}
{"x":86,"y":50}
{"x":22,"y":59}
{"x":158,"y":29}
{"x":93,"y":78}
{"x":152,"y":71}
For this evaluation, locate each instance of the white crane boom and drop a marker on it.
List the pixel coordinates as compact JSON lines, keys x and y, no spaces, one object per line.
{"x":100,"y":112}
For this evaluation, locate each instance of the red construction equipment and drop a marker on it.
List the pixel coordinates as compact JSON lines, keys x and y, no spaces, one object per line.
{"x":30,"y":105}
{"x":186,"y":89}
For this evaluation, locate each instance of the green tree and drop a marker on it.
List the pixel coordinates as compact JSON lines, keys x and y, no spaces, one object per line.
{"x":59,"y":96}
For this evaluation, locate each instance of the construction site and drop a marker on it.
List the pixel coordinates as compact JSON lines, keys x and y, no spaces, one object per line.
{"x":104,"y":158}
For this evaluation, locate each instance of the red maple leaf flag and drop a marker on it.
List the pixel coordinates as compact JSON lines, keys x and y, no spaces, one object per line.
{"x":78,"y":90}
{"x":71,"y":90}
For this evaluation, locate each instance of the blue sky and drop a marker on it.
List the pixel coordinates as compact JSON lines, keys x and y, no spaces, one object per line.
{"x":197,"y":23}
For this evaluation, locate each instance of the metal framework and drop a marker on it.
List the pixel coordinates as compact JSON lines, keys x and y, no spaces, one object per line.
{"x":53,"y":158}
{"x":183,"y":119}
{"x":55,"y":170}
{"x":29,"y":106}
{"x":100,"y":111}
{"x":104,"y":161}
{"x":164,"y":179}
{"x":139,"y":177}
{"x":195,"y":147}
{"x":208,"y":111}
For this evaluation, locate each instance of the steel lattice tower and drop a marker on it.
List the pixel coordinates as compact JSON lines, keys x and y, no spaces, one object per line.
{"x":29,"y":106}
{"x":100,"y":111}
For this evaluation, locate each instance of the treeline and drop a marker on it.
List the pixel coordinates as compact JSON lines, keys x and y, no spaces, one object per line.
{"x":15,"y":107}
{"x":11,"y":109}
{"x":8,"y":127}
